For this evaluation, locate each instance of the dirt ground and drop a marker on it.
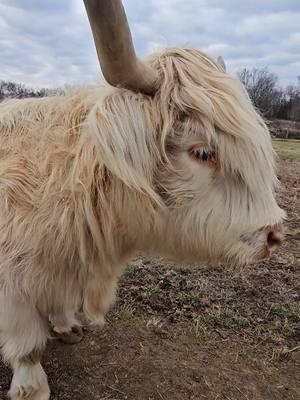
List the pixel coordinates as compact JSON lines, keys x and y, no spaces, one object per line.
{"x":213,"y":333}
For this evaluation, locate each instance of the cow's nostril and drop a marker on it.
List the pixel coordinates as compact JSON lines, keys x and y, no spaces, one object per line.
{"x":275,"y":238}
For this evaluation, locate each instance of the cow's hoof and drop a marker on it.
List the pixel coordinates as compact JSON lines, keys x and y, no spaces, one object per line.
{"x":29,"y":383}
{"x":23,"y":393}
{"x":72,"y":337}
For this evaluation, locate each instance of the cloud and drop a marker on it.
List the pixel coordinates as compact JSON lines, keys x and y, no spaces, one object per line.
{"x":49,"y":43}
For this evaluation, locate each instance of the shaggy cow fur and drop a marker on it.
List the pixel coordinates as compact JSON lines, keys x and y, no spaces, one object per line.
{"x":89,"y":179}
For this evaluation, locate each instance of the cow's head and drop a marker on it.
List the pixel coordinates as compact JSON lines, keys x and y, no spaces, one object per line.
{"x":197,"y":148}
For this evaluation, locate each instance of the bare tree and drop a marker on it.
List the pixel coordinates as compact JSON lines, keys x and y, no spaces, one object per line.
{"x":263,"y":90}
{"x":293,"y":93}
{"x":19,"y":91}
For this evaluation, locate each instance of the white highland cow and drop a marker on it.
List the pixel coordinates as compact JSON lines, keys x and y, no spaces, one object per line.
{"x":171,"y":159}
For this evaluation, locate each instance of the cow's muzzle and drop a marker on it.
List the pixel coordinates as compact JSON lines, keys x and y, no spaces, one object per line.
{"x":274,"y":238}
{"x":271,"y":239}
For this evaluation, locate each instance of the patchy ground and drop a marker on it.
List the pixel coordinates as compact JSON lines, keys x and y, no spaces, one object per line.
{"x":207,"y":333}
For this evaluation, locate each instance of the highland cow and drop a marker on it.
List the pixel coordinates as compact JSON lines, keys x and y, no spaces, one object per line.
{"x":170,"y":158}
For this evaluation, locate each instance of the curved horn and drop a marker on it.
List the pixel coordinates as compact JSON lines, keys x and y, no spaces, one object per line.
{"x":119,"y":63}
{"x":221,"y":62}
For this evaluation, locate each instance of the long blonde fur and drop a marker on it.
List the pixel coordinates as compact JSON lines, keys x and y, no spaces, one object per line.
{"x":92,"y":177}
{"x":75,"y":170}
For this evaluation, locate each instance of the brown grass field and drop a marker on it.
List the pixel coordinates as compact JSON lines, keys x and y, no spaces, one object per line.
{"x":213,"y":333}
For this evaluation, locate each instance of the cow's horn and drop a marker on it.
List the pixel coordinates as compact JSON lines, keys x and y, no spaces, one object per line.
{"x":119,"y":63}
{"x":221,"y":62}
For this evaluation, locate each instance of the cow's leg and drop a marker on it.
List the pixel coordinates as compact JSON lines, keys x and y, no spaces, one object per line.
{"x":23,"y":336}
{"x":99,"y":295}
{"x":66,"y":327}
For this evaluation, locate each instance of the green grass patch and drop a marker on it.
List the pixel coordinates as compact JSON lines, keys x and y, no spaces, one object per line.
{"x":286,"y":318}
{"x":287,"y":149}
{"x":190,"y":297}
{"x":153,"y":288}
{"x":131,"y":272}
{"x":227,"y":319}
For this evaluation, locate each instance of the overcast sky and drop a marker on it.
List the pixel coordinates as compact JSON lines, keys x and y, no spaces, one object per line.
{"x":48,"y":42}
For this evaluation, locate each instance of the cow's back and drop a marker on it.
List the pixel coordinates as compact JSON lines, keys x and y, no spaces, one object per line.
{"x":39,"y":142}
{"x":37,"y":127}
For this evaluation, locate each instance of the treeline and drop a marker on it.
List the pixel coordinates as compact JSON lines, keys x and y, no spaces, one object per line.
{"x":273,"y":101}
{"x":19,"y":91}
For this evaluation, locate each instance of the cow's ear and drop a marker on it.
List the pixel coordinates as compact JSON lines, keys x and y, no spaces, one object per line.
{"x":221,"y":62}
{"x":124,"y":135}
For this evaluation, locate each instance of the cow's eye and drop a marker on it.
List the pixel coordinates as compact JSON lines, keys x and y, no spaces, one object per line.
{"x":203,"y":154}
